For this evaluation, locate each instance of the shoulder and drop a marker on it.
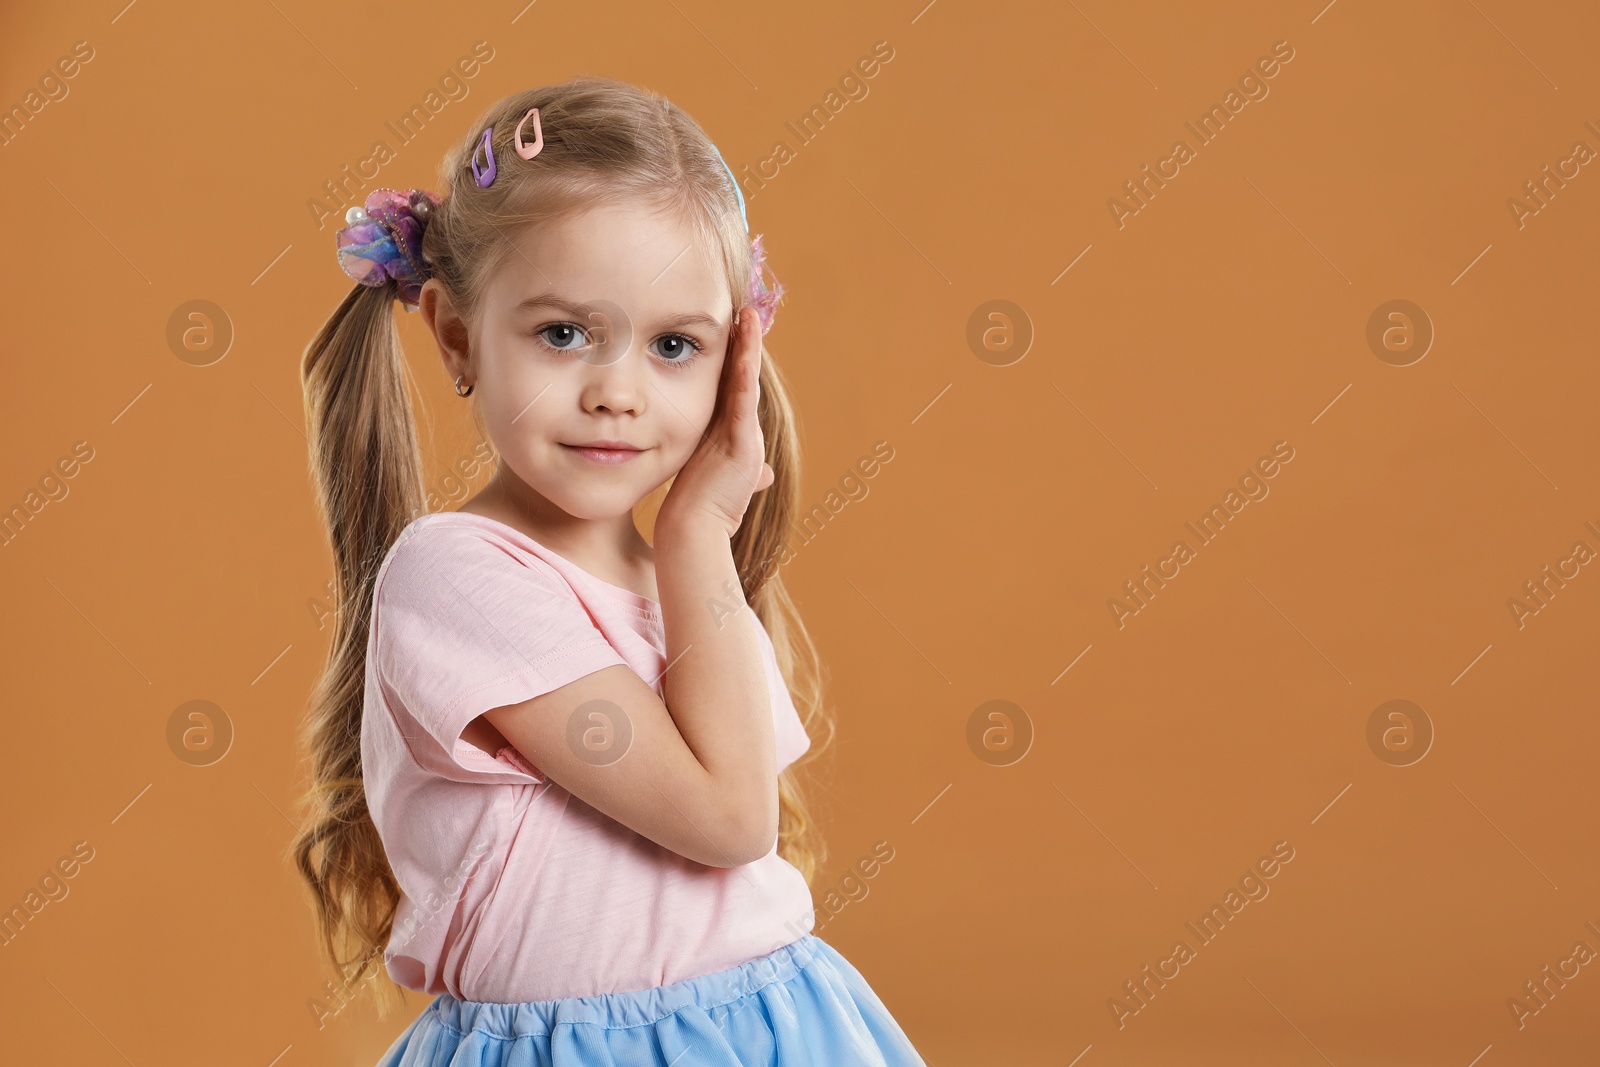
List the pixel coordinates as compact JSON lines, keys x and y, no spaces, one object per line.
{"x":442,"y":551}
{"x":440,"y":532}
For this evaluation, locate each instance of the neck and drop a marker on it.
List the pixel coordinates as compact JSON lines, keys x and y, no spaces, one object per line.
{"x":604,"y":547}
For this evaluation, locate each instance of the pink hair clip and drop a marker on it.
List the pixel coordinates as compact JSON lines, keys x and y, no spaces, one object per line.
{"x":529,"y":151}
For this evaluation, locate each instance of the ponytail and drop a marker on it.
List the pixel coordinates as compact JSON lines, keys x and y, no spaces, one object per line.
{"x":367,"y":469}
{"x":760,"y":547}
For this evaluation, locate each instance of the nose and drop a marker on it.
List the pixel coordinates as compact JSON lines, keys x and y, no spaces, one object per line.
{"x":614,"y":383}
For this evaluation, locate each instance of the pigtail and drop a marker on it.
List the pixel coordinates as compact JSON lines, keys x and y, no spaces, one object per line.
{"x":367,"y":469}
{"x":759,"y":550}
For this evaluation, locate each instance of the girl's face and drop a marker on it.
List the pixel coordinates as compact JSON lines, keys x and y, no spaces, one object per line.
{"x":608,"y":327}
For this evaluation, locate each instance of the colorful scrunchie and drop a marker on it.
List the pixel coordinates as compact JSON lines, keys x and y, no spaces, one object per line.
{"x":383,"y":241}
{"x":764,"y":300}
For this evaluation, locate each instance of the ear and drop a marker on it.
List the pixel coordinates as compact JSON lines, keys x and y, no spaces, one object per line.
{"x":449,"y":329}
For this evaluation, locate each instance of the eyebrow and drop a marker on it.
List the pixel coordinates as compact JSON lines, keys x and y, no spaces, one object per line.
{"x":579,"y":311}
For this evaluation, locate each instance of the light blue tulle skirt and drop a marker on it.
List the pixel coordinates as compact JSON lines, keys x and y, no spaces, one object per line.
{"x":802,"y":1004}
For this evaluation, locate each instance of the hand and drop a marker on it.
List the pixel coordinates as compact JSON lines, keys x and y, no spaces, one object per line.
{"x":729,"y":465}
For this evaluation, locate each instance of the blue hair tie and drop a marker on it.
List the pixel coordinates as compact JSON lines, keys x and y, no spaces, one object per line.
{"x":737,"y":191}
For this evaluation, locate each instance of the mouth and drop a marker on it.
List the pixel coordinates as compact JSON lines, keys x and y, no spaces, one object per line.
{"x":605,"y":451}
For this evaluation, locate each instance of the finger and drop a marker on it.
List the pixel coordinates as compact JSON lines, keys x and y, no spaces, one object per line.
{"x":732,"y":416}
{"x":746,"y":357}
{"x":753,"y":357}
{"x":727,"y":383}
{"x":756,"y":357}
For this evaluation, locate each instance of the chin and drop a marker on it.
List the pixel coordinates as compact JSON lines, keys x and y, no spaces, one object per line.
{"x":594,"y":506}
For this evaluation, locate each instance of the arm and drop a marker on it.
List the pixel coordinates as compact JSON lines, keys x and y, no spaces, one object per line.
{"x":701,"y":778}
{"x":699,"y":774}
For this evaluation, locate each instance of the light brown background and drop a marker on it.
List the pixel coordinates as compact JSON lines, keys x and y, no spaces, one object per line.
{"x":1225,"y":317}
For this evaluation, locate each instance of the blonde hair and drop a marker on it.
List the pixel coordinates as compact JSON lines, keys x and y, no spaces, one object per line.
{"x":604,"y":141}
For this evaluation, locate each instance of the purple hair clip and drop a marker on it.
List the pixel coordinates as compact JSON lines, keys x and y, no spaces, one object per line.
{"x":383,"y":241}
{"x":763,"y":299}
{"x":484,"y":174}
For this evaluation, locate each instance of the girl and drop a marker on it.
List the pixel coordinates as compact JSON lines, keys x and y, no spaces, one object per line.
{"x":550,"y":760}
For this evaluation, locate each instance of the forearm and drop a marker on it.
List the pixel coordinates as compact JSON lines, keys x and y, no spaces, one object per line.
{"x":715,"y":686}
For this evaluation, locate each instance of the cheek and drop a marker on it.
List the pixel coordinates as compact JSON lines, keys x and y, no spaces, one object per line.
{"x":513,"y":393}
{"x":688,"y":414}
{"x":508,"y":423}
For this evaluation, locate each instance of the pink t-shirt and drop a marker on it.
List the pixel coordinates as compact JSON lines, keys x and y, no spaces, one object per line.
{"x":514,"y":889}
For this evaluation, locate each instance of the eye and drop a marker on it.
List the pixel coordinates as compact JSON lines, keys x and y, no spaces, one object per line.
{"x":679,"y":349}
{"x":560,"y":335}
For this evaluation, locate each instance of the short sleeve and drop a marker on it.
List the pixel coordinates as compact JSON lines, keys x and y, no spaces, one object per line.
{"x":460,"y":626}
{"x":789,"y":736}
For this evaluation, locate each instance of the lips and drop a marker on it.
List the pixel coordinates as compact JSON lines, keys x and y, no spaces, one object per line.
{"x":605,"y":451}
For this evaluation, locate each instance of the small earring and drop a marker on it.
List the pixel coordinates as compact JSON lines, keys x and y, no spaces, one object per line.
{"x":459,"y":391}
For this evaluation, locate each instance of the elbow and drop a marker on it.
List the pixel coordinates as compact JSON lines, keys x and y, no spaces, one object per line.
{"x":764,"y":843}
{"x":750,"y":838}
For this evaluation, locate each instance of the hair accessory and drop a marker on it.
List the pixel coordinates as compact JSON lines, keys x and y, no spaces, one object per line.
{"x":485,"y":175}
{"x":764,"y":300}
{"x":736,"y":190}
{"x":529,"y":151}
{"x":383,"y":241}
